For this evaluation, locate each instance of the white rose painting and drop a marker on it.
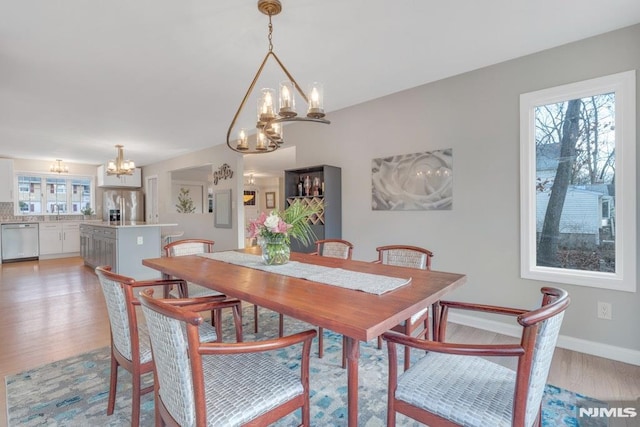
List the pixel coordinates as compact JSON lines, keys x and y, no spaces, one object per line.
{"x":413,"y":182}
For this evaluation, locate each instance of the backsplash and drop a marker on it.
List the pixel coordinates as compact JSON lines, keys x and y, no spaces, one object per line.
{"x":6,"y":215}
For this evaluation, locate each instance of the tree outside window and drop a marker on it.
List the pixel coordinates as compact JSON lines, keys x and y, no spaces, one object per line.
{"x":578,"y":184}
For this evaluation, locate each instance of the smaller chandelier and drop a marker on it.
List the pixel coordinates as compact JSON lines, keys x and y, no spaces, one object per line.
{"x":120,"y":166}
{"x":269,"y":127}
{"x":59,"y":167}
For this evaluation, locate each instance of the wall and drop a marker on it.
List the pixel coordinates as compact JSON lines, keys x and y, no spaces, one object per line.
{"x":477,"y":115}
{"x":201,"y":225}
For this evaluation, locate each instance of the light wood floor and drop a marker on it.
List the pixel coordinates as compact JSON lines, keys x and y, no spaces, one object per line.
{"x":54,"y":309}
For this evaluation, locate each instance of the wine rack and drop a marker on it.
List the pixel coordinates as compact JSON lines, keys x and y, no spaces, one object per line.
{"x":327,"y":224}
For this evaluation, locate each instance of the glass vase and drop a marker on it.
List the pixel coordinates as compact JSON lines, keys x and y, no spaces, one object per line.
{"x":275,"y":249}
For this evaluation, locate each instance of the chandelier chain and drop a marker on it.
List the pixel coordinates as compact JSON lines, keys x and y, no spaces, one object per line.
{"x":270,"y":34}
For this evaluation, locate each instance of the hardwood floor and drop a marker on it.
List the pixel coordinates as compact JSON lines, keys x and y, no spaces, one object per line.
{"x":54,"y":309}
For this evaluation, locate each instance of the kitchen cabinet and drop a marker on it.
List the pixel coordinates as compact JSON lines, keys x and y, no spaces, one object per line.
{"x":123,"y":247}
{"x":6,"y":178}
{"x":324,"y":189}
{"x":122,"y":181}
{"x":59,"y":238}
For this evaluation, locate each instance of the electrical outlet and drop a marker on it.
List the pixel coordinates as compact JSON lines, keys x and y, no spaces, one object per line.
{"x":140,"y":240}
{"x":604,"y":310}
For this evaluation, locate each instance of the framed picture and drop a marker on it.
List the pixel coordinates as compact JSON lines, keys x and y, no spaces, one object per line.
{"x":270,"y":199}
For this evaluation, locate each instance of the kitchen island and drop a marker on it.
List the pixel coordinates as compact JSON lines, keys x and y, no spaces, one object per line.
{"x":123,"y":246}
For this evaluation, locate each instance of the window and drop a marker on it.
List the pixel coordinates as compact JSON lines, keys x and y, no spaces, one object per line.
{"x":52,"y":194}
{"x":577,"y":159}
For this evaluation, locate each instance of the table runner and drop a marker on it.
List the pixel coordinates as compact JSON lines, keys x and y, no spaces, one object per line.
{"x":365,"y":282}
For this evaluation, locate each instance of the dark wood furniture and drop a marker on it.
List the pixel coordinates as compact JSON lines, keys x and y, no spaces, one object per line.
{"x":328,"y":223}
{"x":359,"y":316}
{"x":412,"y":257}
{"x":243,"y":391}
{"x":455,"y":382}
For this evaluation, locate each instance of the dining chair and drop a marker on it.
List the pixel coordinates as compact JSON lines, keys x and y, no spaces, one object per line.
{"x":130,"y":346}
{"x":191,"y":290}
{"x":333,"y":248}
{"x":413,"y":257}
{"x":216,"y":384}
{"x":454,"y":384}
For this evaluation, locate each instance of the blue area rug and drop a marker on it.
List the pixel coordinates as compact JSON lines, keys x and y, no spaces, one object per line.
{"x":73,"y":392}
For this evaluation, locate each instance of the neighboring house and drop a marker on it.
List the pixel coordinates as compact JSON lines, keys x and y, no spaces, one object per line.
{"x":588,"y":211}
{"x":587,"y":216}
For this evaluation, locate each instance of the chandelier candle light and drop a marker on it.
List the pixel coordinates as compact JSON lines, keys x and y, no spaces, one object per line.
{"x":269,"y":127}
{"x":58,"y":167}
{"x":120,"y":166}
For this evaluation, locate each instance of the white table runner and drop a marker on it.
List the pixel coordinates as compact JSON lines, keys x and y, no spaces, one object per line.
{"x":365,"y":282}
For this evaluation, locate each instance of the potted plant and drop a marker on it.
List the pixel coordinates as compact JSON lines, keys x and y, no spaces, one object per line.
{"x":274,"y":231}
{"x":87,"y":211}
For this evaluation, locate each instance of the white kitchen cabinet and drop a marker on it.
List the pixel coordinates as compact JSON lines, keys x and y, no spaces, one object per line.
{"x":59,"y":238}
{"x":6,"y":178}
{"x":122,"y":181}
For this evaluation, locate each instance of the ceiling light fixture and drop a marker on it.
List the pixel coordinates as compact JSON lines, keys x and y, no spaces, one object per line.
{"x":269,"y":134}
{"x":59,"y":167}
{"x":120,"y":166}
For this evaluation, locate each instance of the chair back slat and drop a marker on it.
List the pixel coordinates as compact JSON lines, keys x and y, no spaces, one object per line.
{"x":170,"y":354}
{"x":181,"y":248}
{"x":405,"y":256}
{"x":545,"y":343}
{"x":118,"y":317}
{"x":336,"y":250}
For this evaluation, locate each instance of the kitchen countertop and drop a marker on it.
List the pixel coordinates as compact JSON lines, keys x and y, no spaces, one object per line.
{"x":129,"y":224}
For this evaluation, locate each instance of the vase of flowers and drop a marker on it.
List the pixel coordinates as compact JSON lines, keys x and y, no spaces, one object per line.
{"x":275,"y":230}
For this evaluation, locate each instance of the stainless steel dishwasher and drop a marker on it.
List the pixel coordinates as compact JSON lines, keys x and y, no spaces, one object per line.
{"x":19,"y":242}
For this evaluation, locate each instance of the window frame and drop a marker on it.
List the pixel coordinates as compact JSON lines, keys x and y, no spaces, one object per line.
{"x":43,"y":184}
{"x":624,"y":86}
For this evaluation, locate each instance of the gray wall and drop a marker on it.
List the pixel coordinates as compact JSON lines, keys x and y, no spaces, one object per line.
{"x":476,"y":114}
{"x":201,"y":225}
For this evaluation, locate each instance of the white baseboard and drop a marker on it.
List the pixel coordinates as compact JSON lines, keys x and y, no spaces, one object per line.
{"x":607,"y":351}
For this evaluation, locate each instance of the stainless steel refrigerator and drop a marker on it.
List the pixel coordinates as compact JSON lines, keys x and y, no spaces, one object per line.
{"x":123,"y":205}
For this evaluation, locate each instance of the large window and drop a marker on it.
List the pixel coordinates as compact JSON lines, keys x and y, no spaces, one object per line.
{"x":53,"y":194}
{"x":578,"y":216}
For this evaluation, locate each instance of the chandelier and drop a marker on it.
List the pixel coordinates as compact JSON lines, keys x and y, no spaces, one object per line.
{"x":59,"y":167}
{"x":119,"y":166}
{"x":269,"y":127}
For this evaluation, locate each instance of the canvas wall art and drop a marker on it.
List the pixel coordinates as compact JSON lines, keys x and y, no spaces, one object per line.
{"x":413,"y":182}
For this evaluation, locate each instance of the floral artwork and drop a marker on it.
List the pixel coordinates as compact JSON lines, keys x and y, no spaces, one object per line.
{"x":410,"y":182}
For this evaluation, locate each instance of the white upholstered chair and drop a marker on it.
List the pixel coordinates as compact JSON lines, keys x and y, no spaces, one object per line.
{"x":453,"y":385}
{"x":221,"y":384}
{"x":191,"y":290}
{"x":130,"y":346}
{"x":413,"y":257}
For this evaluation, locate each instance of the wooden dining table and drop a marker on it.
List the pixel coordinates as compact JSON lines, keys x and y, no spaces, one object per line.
{"x":357,"y":315}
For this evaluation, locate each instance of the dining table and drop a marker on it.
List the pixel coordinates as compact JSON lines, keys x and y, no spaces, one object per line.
{"x":357,"y":314}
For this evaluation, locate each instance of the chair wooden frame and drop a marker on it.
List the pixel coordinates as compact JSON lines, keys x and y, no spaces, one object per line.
{"x":409,"y":326}
{"x":554,"y":301}
{"x":320,"y":252}
{"x":183,"y":289}
{"x":177,"y":309}
{"x":133,"y":365}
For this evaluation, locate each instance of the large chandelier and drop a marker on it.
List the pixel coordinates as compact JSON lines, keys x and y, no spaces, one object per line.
{"x":59,"y":167}
{"x":269,"y":127}
{"x":120,"y":166}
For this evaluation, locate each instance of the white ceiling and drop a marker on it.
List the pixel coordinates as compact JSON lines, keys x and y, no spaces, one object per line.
{"x":165,"y":77}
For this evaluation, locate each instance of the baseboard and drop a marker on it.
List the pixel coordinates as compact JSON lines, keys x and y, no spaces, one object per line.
{"x":593,"y":348}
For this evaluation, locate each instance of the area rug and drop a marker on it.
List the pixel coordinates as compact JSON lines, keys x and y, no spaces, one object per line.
{"x":73,"y":392}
